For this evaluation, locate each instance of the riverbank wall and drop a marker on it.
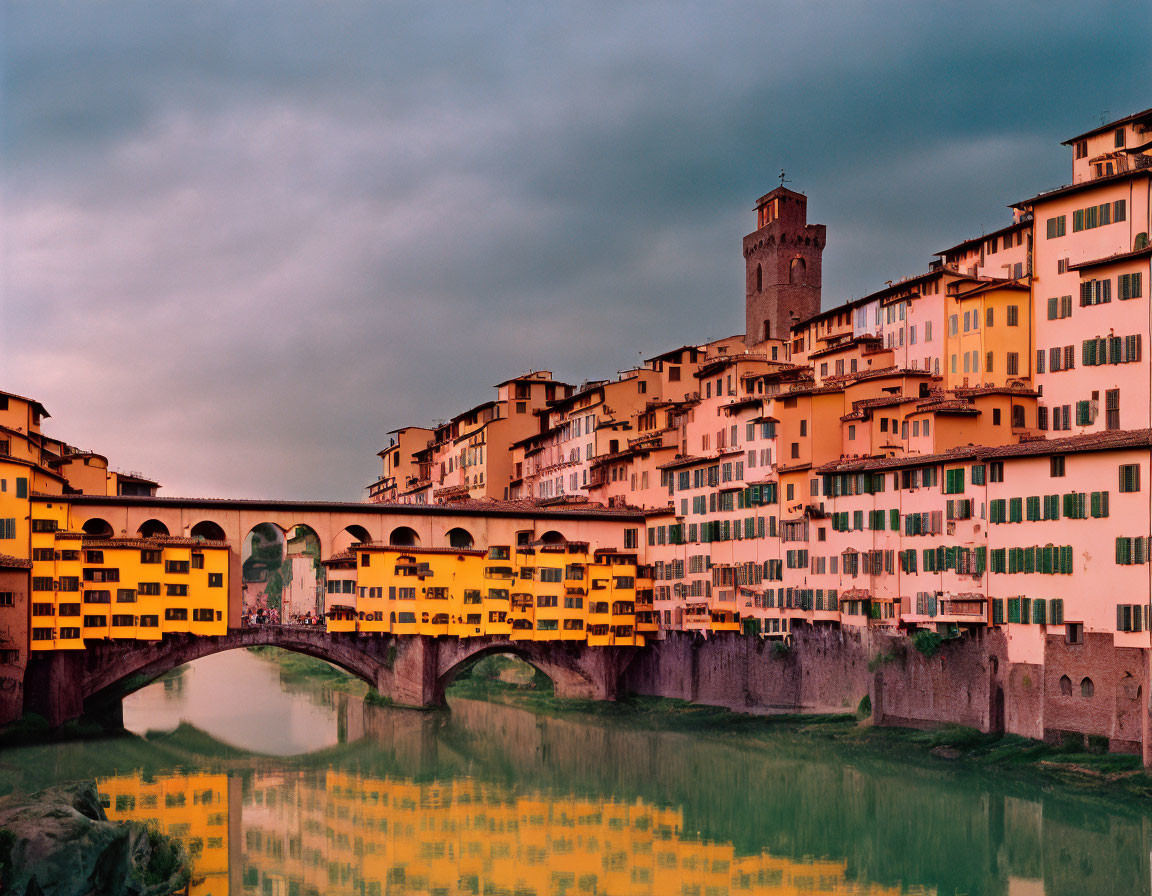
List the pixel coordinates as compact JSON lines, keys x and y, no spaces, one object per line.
{"x":1089,"y":694}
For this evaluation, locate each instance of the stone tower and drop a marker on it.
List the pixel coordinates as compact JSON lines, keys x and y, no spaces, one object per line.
{"x":782,"y":266}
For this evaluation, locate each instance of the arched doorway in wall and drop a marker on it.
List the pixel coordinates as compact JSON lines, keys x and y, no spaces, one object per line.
{"x":552,"y":537}
{"x":206,"y":530}
{"x":302,"y":593}
{"x":349,"y":536}
{"x":152,"y":529}
{"x":459,"y":538}
{"x":98,"y":528}
{"x":404,"y":536}
{"x":263,"y":571}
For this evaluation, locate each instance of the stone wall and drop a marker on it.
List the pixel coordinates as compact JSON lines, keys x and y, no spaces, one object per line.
{"x":968,"y":682}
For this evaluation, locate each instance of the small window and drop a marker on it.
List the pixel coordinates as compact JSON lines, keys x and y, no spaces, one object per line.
{"x":1087,"y":689}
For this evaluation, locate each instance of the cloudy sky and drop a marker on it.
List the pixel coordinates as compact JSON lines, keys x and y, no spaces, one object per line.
{"x":242,"y":241}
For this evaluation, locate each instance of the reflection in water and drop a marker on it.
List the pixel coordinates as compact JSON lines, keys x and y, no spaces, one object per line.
{"x":237,"y":698}
{"x":342,"y":833}
{"x":491,"y":799}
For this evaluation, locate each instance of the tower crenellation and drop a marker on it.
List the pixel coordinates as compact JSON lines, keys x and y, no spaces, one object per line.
{"x":782,"y":260}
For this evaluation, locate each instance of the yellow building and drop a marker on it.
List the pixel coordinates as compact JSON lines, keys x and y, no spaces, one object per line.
{"x":189,"y":808}
{"x":87,"y":587}
{"x":341,"y":833}
{"x":988,"y":334}
{"x":532,"y":592}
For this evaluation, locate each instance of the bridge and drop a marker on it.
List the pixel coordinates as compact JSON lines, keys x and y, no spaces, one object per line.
{"x":337,"y":526}
{"x":409,"y":670}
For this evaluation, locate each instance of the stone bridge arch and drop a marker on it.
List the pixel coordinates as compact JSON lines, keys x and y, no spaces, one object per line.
{"x":411,"y":671}
{"x":575,"y":670}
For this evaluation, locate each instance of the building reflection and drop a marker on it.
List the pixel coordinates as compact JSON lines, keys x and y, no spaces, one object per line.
{"x":334,"y":832}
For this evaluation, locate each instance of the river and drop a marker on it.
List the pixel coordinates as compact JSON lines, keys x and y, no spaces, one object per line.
{"x":296,"y":789}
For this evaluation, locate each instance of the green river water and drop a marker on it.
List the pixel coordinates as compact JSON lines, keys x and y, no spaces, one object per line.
{"x":288,"y":788}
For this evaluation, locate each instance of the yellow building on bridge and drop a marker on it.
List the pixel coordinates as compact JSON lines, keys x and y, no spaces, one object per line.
{"x":560,"y":591}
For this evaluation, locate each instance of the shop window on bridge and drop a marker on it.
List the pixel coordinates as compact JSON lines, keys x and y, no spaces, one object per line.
{"x":215,"y":580}
{"x":69,"y":609}
{"x":203,"y":615}
{"x":176,"y":614}
{"x":197,"y":561}
{"x":97,"y":597}
{"x":175,"y":566}
{"x":499,"y":552}
{"x":95,"y":621}
{"x":68,"y":584}
{"x":148,"y":589}
{"x":70,"y":634}
{"x":150,"y":556}
{"x":548,"y":574}
{"x":149,"y":621}
{"x":177,"y":590}
{"x":102,"y":575}
{"x":123,"y":621}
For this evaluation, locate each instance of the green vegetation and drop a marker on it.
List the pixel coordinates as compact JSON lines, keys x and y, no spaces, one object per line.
{"x":300,"y":670}
{"x":927,"y":642}
{"x":864,"y":707}
{"x":883,"y":658}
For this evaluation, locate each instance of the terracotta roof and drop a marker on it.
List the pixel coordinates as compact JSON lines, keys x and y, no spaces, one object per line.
{"x":698,"y":459}
{"x":977,"y":240}
{"x":947,"y":406}
{"x":995,"y":390}
{"x":379,"y":546}
{"x":466,"y":507}
{"x":846,"y":343}
{"x":7,"y":561}
{"x":31,"y":401}
{"x":1069,"y":189}
{"x":342,"y":557}
{"x":101,"y":541}
{"x":1110,"y":126}
{"x":1095,"y":441}
{"x":1146,"y":252}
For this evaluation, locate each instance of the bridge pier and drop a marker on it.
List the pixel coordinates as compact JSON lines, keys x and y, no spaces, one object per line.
{"x":54,"y":686}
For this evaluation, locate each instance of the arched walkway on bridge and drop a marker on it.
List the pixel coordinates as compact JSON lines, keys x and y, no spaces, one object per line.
{"x":152,"y":529}
{"x":206,"y":530}
{"x":349,"y":536}
{"x":404,"y":536}
{"x":98,"y":527}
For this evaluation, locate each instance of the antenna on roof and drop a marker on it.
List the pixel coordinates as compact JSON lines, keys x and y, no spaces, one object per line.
{"x":1104,"y":116}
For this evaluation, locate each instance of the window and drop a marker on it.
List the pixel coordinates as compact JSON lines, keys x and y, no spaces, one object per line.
{"x":1128,"y":286}
{"x":1013,"y":314}
{"x":1056,"y":465}
{"x":215,"y":580}
{"x":1012,"y":367}
{"x":1129,"y":477}
{"x":125,"y":596}
{"x":175,"y":614}
{"x":149,"y":556}
{"x":8,"y":528}
{"x":1057,"y":227}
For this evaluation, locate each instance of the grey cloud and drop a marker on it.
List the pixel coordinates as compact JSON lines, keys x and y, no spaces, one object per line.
{"x":243,"y":241}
